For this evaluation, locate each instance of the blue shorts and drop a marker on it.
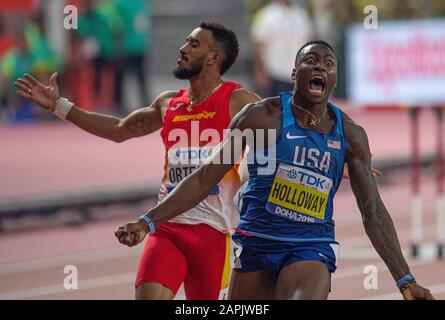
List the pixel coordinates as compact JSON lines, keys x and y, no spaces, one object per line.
{"x":248,"y":259}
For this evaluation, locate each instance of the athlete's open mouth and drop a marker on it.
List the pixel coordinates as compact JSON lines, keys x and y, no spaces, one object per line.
{"x":181,"y":58}
{"x":317,"y":85}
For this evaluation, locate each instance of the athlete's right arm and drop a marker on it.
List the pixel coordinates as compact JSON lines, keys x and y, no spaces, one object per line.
{"x":140,"y":122}
{"x":193,"y":189}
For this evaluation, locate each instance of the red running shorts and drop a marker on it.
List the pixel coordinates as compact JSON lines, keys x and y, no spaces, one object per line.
{"x":196,"y":255}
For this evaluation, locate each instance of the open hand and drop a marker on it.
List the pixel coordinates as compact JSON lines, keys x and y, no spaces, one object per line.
{"x":39,"y":93}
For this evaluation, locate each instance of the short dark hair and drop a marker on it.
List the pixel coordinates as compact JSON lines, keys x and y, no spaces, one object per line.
{"x":324,"y":43}
{"x":226,"y":38}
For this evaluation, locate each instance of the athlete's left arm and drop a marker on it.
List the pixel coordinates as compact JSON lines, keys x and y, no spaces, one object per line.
{"x":376,"y":219}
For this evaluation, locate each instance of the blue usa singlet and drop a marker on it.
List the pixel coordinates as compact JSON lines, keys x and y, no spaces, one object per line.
{"x":293,"y":201}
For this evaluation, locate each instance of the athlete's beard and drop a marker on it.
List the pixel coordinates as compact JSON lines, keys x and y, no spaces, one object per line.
{"x":187,"y":73}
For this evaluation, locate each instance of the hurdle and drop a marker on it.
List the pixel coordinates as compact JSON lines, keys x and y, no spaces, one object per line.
{"x":440,"y":195}
{"x":416,"y":200}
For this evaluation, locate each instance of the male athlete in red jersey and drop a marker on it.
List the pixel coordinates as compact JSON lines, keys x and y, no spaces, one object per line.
{"x":191,"y":249}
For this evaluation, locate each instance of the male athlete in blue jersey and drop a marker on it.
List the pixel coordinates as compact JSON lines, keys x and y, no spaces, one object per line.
{"x":286,"y":243}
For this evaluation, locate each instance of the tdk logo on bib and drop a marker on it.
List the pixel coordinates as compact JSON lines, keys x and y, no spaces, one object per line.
{"x":305,"y":178}
{"x":193,"y":155}
{"x":182,"y":162}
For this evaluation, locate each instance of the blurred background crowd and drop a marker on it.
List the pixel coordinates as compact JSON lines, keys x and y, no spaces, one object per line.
{"x":121,"y":52}
{"x":112,"y":39}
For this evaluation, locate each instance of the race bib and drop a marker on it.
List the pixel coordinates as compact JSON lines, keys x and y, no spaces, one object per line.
{"x":298,"y":194}
{"x":184,"y":161}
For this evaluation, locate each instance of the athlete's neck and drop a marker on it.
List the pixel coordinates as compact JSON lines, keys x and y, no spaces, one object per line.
{"x":316,"y":109}
{"x":201,"y":85}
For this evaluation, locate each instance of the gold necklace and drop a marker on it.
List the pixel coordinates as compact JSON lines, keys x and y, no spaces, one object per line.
{"x":315,"y":120}
{"x":194,"y":101}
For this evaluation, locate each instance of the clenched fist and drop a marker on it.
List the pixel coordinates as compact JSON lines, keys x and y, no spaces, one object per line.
{"x":131,"y":234}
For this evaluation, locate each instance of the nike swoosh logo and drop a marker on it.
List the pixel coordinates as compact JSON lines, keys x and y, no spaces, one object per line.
{"x":294,"y":137}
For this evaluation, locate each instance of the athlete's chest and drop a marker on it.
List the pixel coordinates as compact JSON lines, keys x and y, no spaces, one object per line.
{"x":197,"y":125}
{"x":310,"y":149}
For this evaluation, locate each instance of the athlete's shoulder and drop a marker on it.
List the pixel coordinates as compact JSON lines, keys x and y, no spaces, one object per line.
{"x":168,"y":94}
{"x":260,"y":114}
{"x":269,"y":106}
{"x":357,"y":140}
{"x":162,"y":101}
{"x":241,"y":97}
{"x":351,"y":127}
{"x":244,"y":95}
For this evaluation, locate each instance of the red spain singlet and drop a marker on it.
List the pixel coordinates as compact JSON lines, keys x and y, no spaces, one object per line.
{"x":189,"y":137}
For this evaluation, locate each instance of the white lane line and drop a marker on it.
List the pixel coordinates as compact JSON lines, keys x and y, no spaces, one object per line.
{"x":124,"y":278}
{"x":93,"y":283}
{"x":76,"y":258}
{"x":435,"y":289}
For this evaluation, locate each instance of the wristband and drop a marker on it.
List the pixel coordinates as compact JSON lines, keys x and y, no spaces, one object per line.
{"x":405,"y":280}
{"x":147,"y":220}
{"x":61,"y":108}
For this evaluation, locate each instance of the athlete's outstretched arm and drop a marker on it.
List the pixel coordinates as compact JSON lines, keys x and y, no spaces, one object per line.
{"x":195,"y":188}
{"x":140,"y":122}
{"x":376,"y":219}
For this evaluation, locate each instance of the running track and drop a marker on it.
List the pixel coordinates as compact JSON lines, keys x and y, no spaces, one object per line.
{"x":53,"y":158}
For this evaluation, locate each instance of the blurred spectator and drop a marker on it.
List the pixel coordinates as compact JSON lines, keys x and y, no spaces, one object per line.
{"x":14,"y":64}
{"x":253,"y":6}
{"x":115,"y":38}
{"x":31,"y":53}
{"x":135,"y":40}
{"x":278,"y":31}
{"x":98,"y":30}
{"x":324,"y":20}
{"x":44,"y":60}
